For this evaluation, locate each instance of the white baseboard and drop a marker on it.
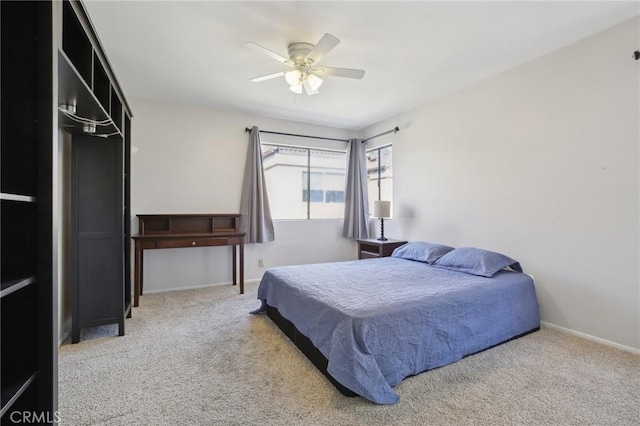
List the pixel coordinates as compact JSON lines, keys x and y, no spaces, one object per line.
{"x":590,"y":337}
{"x":195,"y":287}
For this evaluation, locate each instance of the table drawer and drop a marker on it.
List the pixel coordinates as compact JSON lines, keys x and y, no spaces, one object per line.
{"x":195,"y":242}
{"x":368,"y":255}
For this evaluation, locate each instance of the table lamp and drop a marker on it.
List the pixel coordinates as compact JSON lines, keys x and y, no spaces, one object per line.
{"x":382,"y":209}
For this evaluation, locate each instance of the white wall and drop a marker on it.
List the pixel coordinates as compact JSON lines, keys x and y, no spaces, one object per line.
{"x":191,"y":160}
{"x":540,"y":163}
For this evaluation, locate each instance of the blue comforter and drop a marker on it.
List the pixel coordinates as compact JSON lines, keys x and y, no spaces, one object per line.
{"x":378,"y":321}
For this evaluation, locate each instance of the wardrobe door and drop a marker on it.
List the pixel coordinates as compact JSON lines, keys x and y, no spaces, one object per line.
{"x":97,"y":233}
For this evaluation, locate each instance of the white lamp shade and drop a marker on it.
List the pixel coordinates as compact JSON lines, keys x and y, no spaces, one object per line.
{"x":293,"y":77}
{"x":314,"y":82}
{"x":382,"y":208}
{"x":296,"y":88}
{"x":308,"y":89}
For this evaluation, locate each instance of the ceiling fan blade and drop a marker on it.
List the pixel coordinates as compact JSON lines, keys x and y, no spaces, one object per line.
{"x":324,"y":46}
{"x":267,"y":77}
{"x":339,"y":72}
{"x":307,"y":88}
{"x":269,"y":53}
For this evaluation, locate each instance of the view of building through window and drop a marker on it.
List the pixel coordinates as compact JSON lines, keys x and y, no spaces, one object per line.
{"x":309,"y":183}
{"x":304,"y":183}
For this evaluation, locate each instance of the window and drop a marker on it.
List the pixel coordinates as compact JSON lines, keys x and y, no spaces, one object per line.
{"x":314,"y":185}
{"x":380,"y":174}
{"x":335,"y":188}
{"x":304,"y":183}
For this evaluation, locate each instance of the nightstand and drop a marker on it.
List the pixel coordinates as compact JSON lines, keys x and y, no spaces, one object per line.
{"x":371,"y":248}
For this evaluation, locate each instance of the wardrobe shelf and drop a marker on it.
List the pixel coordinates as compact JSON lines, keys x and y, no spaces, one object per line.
{"x":12,"y":391}
{"x":73,"y":90}
{"x":18,"y":197}
{"x":10,"y":286}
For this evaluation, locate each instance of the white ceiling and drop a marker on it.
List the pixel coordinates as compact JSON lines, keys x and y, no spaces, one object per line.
{"x":413,"y":52}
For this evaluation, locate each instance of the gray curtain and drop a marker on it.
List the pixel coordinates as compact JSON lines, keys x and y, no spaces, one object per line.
{"x":356,"y":203}
{"x":254,"y":205}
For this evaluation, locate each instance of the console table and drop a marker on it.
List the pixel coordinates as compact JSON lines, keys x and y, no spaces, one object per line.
{"x":162,"y":231}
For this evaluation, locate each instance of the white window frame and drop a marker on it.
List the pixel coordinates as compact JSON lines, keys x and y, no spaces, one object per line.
{"x":308,"y":171}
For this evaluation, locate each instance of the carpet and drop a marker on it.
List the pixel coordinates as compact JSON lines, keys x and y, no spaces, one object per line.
{"x":196,"y":357}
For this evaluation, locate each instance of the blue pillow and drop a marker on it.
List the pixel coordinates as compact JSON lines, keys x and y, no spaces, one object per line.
{"x":476,"y":261}
{"x":421,"y":251}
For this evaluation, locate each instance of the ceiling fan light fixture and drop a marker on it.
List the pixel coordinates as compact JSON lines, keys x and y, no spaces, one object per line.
{"x":304,"y":76}
{"x":307,"y":87}
{"x":314,"y":82}
{"x":293,"y":77}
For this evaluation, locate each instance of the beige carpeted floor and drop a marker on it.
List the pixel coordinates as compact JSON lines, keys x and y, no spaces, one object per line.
{"x":197,"y":357}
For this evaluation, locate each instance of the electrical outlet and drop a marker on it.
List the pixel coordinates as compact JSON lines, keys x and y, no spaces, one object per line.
{"x":260,"y":263}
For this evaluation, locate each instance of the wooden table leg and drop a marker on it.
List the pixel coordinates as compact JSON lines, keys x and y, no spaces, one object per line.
{"x":233,"y":251}
{"x":242,"y":266}
{"x":137,"y":274}
{"x":141,"y":288}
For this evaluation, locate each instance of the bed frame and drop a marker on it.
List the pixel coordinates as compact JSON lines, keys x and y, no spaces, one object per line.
{"x":306,"y":347}
{"x":315,"y":356}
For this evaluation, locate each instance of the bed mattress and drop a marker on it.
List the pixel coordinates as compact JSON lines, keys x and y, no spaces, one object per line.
{"x":378,"y":321}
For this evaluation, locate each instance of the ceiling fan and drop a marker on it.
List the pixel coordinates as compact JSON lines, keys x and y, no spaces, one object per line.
{"x":303,"y":59}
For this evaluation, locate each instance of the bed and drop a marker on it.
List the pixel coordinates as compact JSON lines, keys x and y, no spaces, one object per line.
{"x":368,"y":324}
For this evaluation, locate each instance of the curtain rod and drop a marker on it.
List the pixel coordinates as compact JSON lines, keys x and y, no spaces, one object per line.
{"x":300,"y":136}
{"x":394,"y":130}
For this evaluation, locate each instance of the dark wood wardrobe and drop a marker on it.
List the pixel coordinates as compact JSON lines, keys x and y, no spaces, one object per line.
{"x":99,"y":192}
{"x":57,"y":84}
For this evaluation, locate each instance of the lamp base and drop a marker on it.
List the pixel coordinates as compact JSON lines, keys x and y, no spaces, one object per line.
{"x":382,"y":239}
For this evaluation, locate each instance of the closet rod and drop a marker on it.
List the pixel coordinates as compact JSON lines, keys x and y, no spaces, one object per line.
{"x":300,"y":136}
{"x":394,"y":130}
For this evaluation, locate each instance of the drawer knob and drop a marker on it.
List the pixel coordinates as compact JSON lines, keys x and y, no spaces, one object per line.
{"x":193,"y":243}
